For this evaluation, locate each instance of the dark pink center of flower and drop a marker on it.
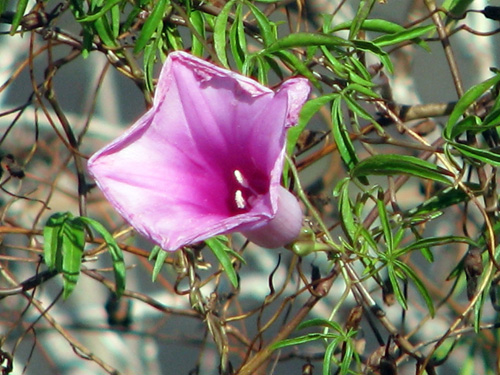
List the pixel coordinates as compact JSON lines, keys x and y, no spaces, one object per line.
{"x":243,"y":193}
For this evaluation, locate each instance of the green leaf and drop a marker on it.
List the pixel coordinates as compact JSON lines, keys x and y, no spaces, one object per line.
{"x":364,"y":9}
{"x":346,"y":210}
{"x":298,"y":340}
{"x":388,"y":165}
{"x":301,"y":68}
{"x":108,"y":4}
{"x":467,"y":124}
{"x":418,"y":283}
{"x":72,"y":243}
{"x":465,"y":102}
{"x":220,"y":26}
{"x":221,"y":252}
{"x":266,"y":29}
{"x":386,"y":225}
{"x":197,"y":19}
{"x":114,"y":250}
{"x":486,"y":156}
{"x":445,"y":198}
{"x":237,"y":40}
{"x":307,"y":112}
{"x":319,"y":322}
{"x":329,"y":357}
{"x":159,"y":262}
{"x":434,"y":241}
{"x":307,"y":40}
{"x":151,"y":24}
{"x":403,"y":35}
{"x":365,"y":45}
{"x":398,"y":292}
{"x":18,"y":15}
{"x":104,"y":31}
{"x":52,"y":238}
{"x":343,"y":139}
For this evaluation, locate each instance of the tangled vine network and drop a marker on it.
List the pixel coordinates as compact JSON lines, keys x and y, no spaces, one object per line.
{"x":308,"y":187}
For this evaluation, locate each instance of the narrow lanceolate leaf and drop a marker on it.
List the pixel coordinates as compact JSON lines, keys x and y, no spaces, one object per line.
{"x":419,"y":284}
{"x":403,"y":35}
{"x":465,"y":102}
{"x":16,"y":21}
{"x":267,"y":31}
{"x":343,"y":139}
{"x":72,"y":242}
{"x":364,"y":9}
{"x":308,"y":111}
{"x":197,"y":19}
{"x":114,"y":250}
{"x":159,"y":262}
{"x":486,"y":156}
{"x":220,"y":27}
{"x":52,"y":239}
{"x":221,"y":252}
{"x":102,"y":11}
{"x":386,"y":226}
{"x":346,"y":209}
{"x":307,"y":40}
{"x":388,"y":165}
{"x":150,"y":25}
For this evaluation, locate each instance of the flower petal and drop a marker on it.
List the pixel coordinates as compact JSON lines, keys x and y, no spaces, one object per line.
{"x":205,"y":160}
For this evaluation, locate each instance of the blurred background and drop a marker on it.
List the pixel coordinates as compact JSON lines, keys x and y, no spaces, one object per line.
{"x":101,"y":87}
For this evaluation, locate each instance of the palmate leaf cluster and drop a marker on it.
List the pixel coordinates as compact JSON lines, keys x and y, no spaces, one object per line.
{"x":379,"y":248}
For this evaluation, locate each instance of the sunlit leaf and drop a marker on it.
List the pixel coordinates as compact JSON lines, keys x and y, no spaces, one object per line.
{"x":150,"y":26}
{"x":114,"y":250}
{"x":389,"y":165}
{"x":220,"y":250}
{"x":465,"y":102}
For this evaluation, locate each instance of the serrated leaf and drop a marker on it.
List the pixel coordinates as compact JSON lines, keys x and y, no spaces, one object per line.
{"x":388,"y":165}
{"x":221,"y":252}
{"x":114,"y":250}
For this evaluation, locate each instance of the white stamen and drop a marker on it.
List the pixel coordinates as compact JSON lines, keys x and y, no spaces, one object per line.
{"x":239,"y":177}
{"x":240,"y":201}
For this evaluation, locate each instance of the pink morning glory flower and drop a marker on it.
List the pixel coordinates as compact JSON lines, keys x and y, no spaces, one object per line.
{"x":206,"y":159}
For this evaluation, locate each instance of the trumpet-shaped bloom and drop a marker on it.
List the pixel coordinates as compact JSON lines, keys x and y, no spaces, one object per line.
{"x":206,"y":159}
